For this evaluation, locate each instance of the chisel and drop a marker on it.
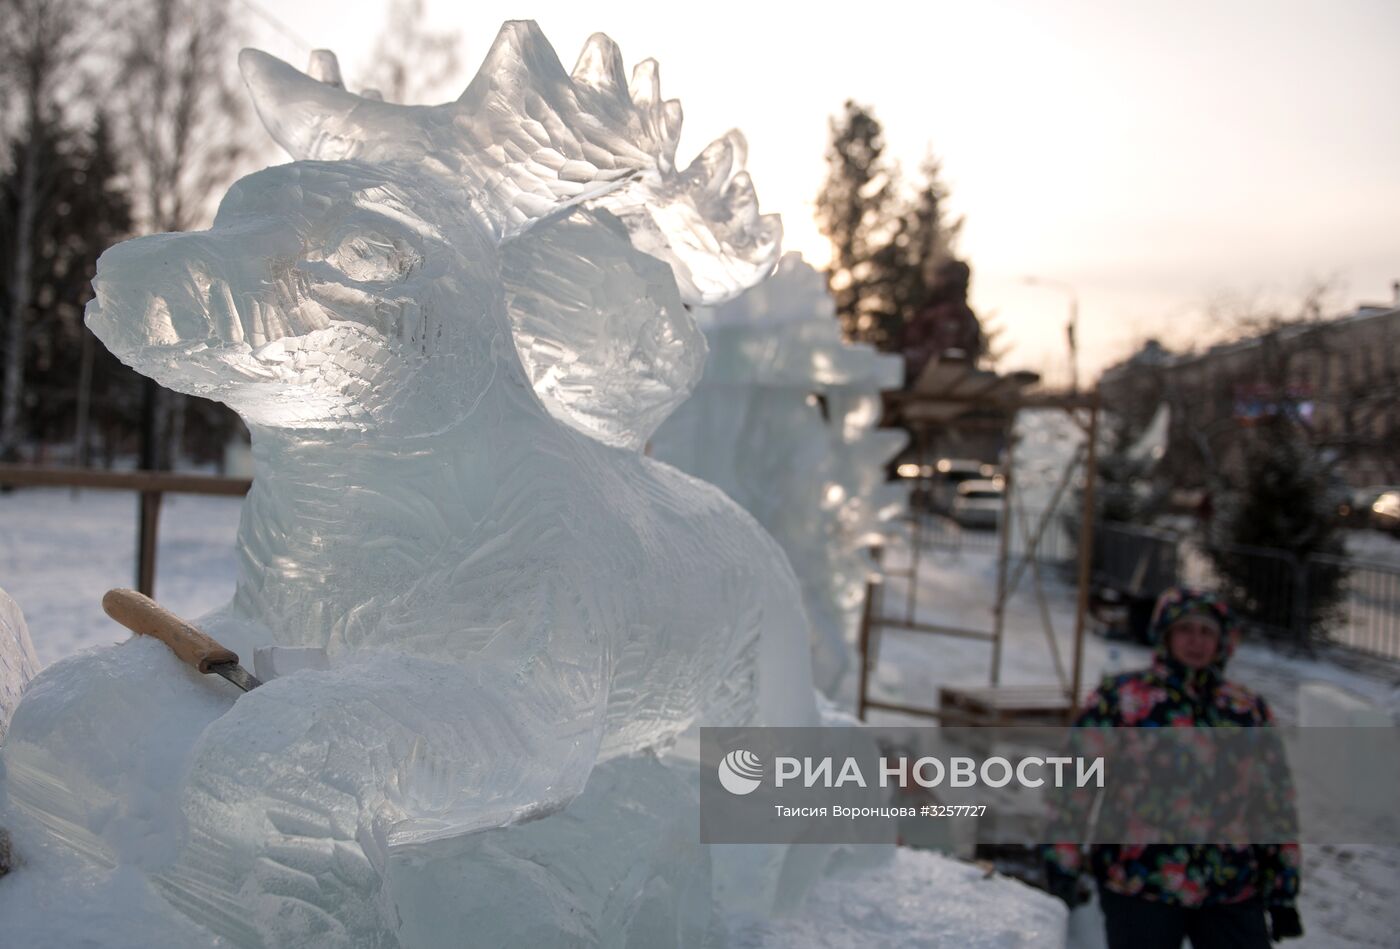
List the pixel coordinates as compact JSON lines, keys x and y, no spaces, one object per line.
{"x":140,"y":614}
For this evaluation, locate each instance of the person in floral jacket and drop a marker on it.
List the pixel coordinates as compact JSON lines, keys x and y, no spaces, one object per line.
{"x":1156,"y":895}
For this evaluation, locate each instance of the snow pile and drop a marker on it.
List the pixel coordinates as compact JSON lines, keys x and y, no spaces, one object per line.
{"x":918,"y":900}
{"x":784,"y":421}
{"x":17,"y":662}
{"x":450,"y":331}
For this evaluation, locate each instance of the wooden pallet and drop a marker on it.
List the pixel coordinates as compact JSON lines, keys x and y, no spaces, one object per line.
{"x":1004,"y":705}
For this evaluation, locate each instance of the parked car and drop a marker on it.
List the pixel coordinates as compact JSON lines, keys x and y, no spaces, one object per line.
{"x":920,"y":480}
{"x":951,"y":473}
{"x":1355,"y":508}
{"x":1132,"y":565}
{"x":978,"y":503}
{"x":1385,"y":512}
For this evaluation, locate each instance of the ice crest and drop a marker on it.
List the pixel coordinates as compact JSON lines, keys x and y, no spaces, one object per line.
{"x":448,"y":348}
{"x":784,"y":421}
{"x":527,"y":139}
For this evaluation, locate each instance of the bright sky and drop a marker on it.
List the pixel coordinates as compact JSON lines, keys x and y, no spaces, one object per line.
{"x":1153,"y":156}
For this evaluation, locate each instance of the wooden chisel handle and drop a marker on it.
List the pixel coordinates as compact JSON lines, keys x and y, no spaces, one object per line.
{"x":141,"y":614}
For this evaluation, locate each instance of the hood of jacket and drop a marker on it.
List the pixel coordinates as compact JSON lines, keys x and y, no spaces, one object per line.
{"x":1177,"y":603}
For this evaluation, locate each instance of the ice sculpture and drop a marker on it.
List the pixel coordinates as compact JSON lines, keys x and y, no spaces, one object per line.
{"x":450,"y":330}
{"x":17,"y":661}
{"x":784,"y":421}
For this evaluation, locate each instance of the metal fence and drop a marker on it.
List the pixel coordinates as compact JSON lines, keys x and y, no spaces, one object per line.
{"x":1312,"y":601}
{"x":942,"y":533}
{"x":1275,"y":592}
{"x":1367,"y":615}
{"x":149,"y":484}
{"x":1268,"y":588}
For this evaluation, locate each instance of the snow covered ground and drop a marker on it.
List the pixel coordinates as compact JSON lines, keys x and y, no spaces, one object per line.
{"x":974,"y":911}
{"x":60,"y":551}
{"x":1373,"y":546}
{"x":958,"y":588}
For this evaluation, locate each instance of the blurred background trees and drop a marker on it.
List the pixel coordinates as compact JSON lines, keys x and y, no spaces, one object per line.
{"x":894,"y":273}
{"x":116,"y":119}
{"x":127,"y":117}
{"x":44,"y":191}
{"x":411,"y":63}
{"x":853,"y":211}
{"x":183,"y":127}
{"x":1283,"y":501}
{"x":81,"y":209}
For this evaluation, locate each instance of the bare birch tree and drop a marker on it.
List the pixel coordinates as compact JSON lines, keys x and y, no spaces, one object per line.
{"x":38,"y":49}
{"x":181,"y":106}
{"x":183,"y":118}
{"x":411,"y":62}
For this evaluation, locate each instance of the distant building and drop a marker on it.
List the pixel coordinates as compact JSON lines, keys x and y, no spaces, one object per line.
{"x":1340,"y":378}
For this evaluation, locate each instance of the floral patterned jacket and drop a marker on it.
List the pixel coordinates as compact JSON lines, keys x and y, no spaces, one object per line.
{"x":1170,"y":695}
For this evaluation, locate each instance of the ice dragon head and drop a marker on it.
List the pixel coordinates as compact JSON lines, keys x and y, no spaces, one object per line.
{"x":384,"y":274}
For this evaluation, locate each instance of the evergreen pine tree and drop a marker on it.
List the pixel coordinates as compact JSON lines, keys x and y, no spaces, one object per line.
{"x":1287,"y":502}
{"x":82,"y":212}
{"x":922,"y":244}
{"x":893,"y":274}
{"x":39,"y":46}
{"x":853,"y":211}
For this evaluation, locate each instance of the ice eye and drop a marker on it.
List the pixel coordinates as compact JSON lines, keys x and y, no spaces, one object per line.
{"x":370,"y":257}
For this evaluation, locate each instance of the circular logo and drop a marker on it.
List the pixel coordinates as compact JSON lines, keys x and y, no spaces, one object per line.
{"x":740,"y":772}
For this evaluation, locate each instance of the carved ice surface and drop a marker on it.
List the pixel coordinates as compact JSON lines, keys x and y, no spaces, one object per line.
{"x":785,"y":422}
{"x":527,"y":139}
{"x":450,"y":330}
{"x":17,"y":661}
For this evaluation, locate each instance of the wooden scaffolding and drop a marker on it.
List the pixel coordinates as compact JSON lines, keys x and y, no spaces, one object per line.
{"x":947,"y":395}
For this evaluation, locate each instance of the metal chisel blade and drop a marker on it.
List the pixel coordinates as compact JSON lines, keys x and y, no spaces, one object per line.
{"x":236,"y":674}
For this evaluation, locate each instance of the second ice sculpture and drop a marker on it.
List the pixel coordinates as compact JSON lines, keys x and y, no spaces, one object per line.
{"x":17,"y":661}
{"x":785,"y":422}
{"x":449,"y":329}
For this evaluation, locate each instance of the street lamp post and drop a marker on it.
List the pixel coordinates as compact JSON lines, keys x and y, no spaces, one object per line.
{"x":1072,"y":328}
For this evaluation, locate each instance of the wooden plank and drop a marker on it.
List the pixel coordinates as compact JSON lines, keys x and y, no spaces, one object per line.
{"x":1049,"y":705}
{"x":935,"y":411}
{"x":1048,"y":400}
{"x":1012,"y":693}
{"x":903,"y":709}
{"x":1007,"y":705}
{"x":957,"y":420}
{"x":143,"y":481}
{"x":940,"y":376}
{"x":975,"y":385}
{"x":955,"y":716}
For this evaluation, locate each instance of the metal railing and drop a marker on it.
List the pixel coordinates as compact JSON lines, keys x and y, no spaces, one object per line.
{"x":1140,"y":561}
{"x":1311,"y":601}
{"x":1366,"y":617}
{"x":941,"y":532}
{"x":1268,"y":588}
{"x":1275,"y":592}
{"x":150,"y":484}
